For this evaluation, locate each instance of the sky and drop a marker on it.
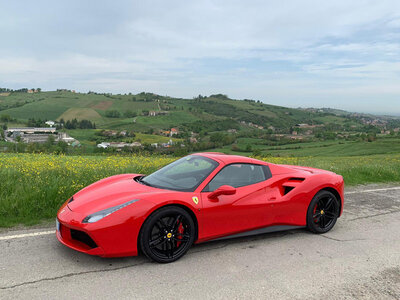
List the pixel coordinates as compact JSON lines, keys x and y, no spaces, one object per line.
{"x":339,"y":54}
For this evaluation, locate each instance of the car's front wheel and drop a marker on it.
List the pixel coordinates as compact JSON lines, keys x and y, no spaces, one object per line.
{"x":167,"y":234}
{"x":322,"y":212}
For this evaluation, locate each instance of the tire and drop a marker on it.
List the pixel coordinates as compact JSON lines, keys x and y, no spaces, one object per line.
{"x":322,"y":212}
{"x":167,"y":234}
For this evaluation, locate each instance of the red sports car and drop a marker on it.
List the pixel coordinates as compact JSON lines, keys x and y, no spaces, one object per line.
{"x":200,"y":197}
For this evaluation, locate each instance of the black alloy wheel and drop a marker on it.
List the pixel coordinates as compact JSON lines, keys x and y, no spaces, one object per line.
{"x":167,"y":234}
{"x":322,"y":212}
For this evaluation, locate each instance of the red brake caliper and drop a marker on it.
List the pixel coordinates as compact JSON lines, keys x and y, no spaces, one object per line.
{"x":180,"y":231}
{"x":314,"y":211}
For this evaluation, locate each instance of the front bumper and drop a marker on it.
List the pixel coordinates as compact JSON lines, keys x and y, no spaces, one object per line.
{"x":69,"y":237}
{"x":103,"y":238}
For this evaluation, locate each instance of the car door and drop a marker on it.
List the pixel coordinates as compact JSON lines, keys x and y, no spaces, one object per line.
{"x":242,"y":211}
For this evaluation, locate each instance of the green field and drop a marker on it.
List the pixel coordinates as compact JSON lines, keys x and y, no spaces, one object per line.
{"x":319,"y":148}
{"x":33,"y":186}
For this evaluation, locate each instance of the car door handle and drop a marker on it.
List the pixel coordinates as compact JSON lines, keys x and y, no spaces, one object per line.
{"x":272,"y":199}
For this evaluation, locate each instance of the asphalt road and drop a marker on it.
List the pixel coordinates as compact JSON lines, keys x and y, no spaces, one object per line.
{"x":359,"y":258}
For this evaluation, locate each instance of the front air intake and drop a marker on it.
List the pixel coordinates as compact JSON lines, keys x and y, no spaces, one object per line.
{"x":83,"y":237}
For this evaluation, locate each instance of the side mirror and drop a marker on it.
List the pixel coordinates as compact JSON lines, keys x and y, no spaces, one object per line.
{"x":222,"y":190}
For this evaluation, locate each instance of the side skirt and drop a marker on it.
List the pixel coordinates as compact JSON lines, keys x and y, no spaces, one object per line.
{"x":259,"y":231}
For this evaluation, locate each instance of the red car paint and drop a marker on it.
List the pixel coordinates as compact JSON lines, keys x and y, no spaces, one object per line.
{"x":252,"y":207}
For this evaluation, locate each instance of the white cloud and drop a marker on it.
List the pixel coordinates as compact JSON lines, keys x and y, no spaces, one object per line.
{"x":304,"y":48}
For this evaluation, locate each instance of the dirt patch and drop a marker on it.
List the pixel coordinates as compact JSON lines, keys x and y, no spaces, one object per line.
{"x":5,"y":94}
{"x":103,"y":105}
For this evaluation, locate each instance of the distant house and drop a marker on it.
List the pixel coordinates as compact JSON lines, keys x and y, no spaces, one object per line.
{"x":154,"y":113}
{"x":294,"y":137}
{"x":118,"y":145}
{"x":110,"y":133}
{"x":167,"y":145}
{"x":308,"y":125}
{"x":50,"y":123}
{"x":165,"y":132}
{"x":136,"y":144}
{"x":103,"y":145}
{"x":38,"y":135}
{"x":174,"y":131}
{"x":64,"y":137}
{"x":32,"y":130}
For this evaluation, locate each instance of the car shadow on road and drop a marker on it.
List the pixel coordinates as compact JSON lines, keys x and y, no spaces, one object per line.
{"x":250,"y":241}
{"x":85,"y":260}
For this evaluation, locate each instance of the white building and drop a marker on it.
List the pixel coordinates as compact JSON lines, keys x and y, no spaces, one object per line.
{"x":103,"y":145}
{"x":50,"y":123}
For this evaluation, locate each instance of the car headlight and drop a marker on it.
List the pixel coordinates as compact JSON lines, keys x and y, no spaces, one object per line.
{"x":104,"y":213}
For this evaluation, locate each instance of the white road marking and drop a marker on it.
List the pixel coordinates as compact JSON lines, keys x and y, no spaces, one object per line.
{"x":375,"y":190}
{"x":20,"y":236}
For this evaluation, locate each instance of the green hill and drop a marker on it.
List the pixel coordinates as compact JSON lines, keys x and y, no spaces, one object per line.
{"x":56,"y":105}
{"x":254,"y":123}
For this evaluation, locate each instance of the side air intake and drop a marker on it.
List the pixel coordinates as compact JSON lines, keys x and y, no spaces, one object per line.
{"x":291,"y":183}
{"x":287,"y":189}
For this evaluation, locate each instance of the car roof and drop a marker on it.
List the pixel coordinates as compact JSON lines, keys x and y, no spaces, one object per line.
{"x":229,"y":159}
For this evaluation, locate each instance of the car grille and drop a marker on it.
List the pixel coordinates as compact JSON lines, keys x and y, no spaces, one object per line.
{"x":83,"y":237}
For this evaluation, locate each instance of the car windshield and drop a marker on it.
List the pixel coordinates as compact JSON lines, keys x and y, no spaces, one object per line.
{"x":184,"y":175}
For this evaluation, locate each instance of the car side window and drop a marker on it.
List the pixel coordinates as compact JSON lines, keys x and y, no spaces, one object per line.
{"x":238,"y":175}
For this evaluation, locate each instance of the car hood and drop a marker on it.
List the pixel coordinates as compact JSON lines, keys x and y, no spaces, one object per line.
{"x":109,"y":192}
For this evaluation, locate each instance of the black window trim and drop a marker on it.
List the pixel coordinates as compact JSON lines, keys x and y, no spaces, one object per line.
{"x":265,"y":168}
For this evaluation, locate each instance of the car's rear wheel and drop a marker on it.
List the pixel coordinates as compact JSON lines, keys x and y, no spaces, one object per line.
{"x":322,"y":212}
{"x":167,"y":234}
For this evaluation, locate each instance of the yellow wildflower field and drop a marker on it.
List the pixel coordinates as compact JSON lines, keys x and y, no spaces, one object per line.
{"x":33,"y":186}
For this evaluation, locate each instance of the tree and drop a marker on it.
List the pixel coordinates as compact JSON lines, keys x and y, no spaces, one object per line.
{"x":113,"y":114}
{"x":130,"y":114}
{"x":62,"y":147}
{"x":50,"y":141}
{"x":5,"y":118}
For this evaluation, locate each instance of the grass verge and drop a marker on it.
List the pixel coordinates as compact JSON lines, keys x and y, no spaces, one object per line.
{"x":33,"y":186}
